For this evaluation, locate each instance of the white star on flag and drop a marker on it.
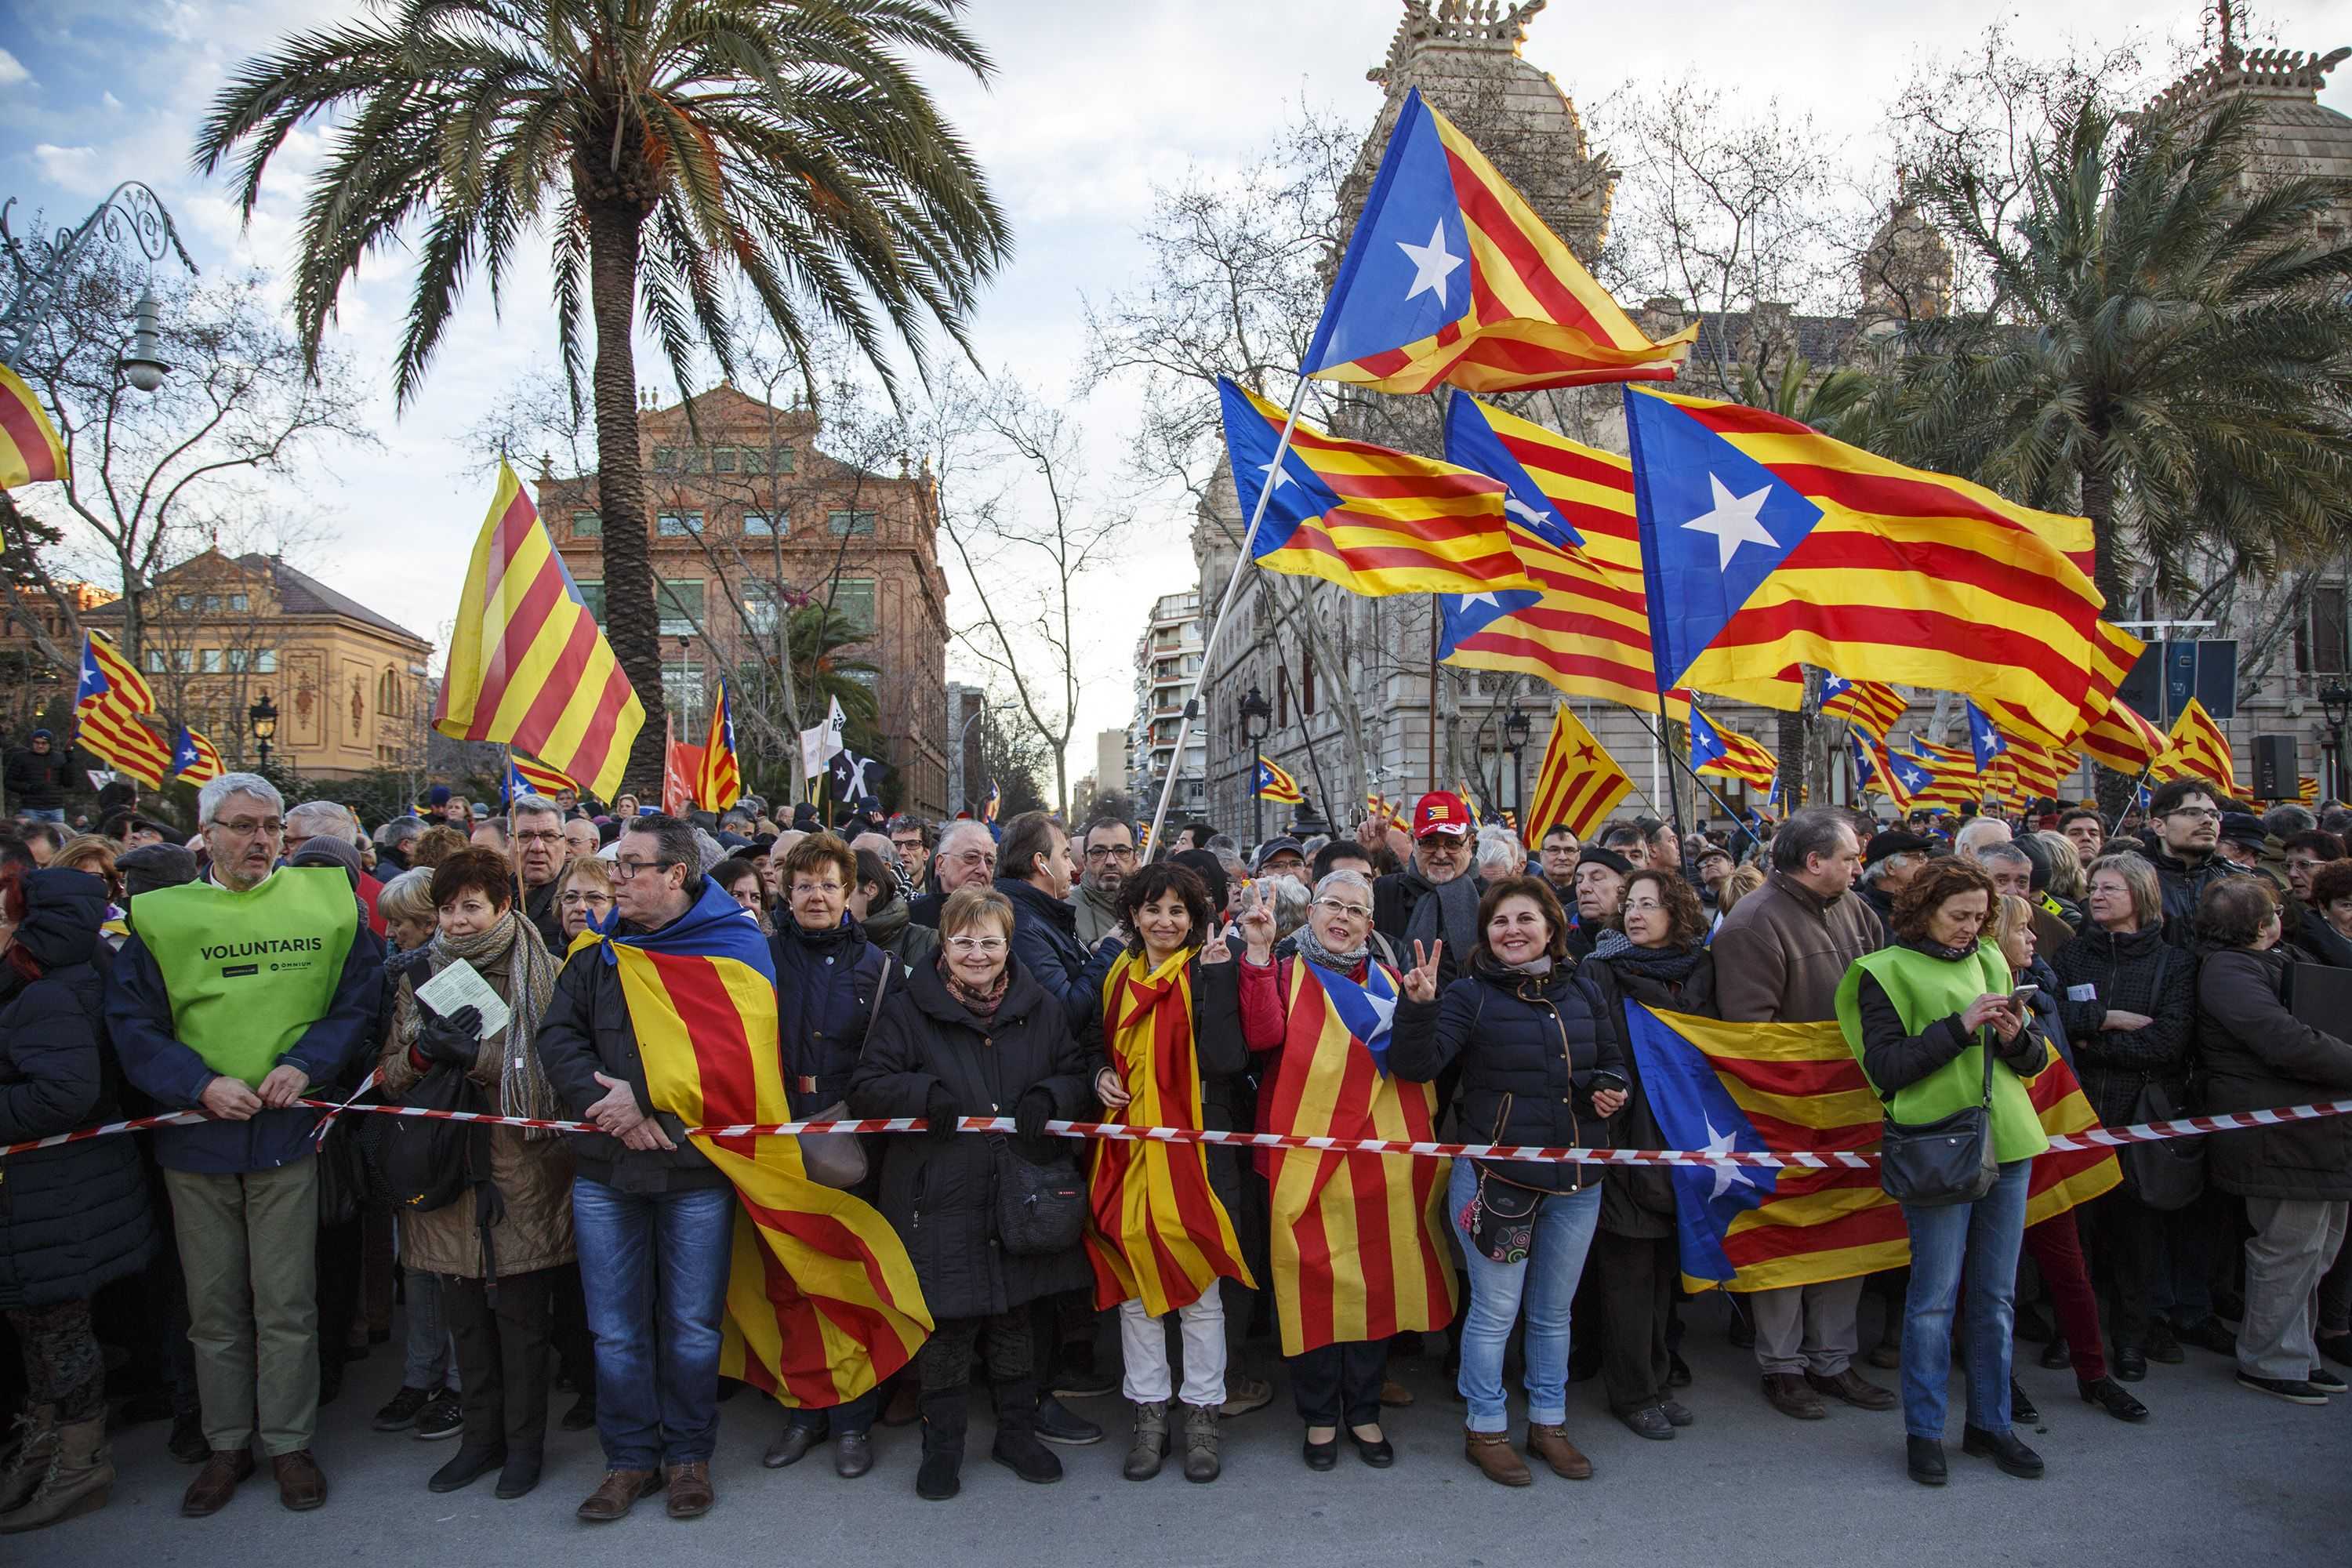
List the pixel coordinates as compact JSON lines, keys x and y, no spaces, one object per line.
{"x":1486,"y":598}
{"x":1433,"y":264}
{"x":1280,"y":477}
{"x":1383,"y":1012}
{"x":1734,"y":522}
{"x":1726,"y":1176}
{"x":1525,"y":512}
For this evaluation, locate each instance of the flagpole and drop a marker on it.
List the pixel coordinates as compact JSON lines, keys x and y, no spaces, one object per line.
{"x":2130,"y":795}
{"x":1224,"y":609}
{"x":1683,"y":762}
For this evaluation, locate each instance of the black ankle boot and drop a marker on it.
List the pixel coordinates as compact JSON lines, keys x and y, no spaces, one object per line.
{"x":944,"y":1414}
{"x":1016,"y":1447}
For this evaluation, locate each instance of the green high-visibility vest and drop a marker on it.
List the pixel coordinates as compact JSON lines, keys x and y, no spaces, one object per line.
{"x":248,"y":973}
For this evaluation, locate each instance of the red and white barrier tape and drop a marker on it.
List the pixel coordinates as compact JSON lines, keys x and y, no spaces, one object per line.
{"x":2097,"y":1137}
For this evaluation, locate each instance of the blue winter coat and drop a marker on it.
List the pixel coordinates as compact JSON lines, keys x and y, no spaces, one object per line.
{"x":825,"y":996}
{"x":1045,"y":940}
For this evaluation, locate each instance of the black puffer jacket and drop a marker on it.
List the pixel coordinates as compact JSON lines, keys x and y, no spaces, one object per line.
{"x":39,"y":781}
{"x":2307,"y":928}
{"x":939,"y":1195}
{"x":825,"y":981}
{"x":1045,"y":940}
{"x":1528,"y":1046}
{"x":76,"y":1216}
{"x":1638,"y":1201}
{"x":2182,"y":885}
{"x":2142,"y":973}
{"x":2258,"y":1056}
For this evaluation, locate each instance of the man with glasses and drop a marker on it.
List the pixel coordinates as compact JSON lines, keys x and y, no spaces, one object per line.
{"x":1107,"y":852}
{"x":1437,"y":895}
{"x":967,"y":858}
{"x":1557,"y":856}
{"x":827,"y":978}
{"x":235,"y":995}
{"x":912,"y":836}
{"x":655,"y":1219}
{"x":329,"y":820}
{"x":2187,"y":817}
{"x":539,"y":851}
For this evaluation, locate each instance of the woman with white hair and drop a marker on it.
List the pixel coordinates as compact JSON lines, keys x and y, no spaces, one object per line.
{"x":1500,"y":855}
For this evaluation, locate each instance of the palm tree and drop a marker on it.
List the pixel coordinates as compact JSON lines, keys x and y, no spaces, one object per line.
{"x":2169,"y":350}
{"x":669,"y":147}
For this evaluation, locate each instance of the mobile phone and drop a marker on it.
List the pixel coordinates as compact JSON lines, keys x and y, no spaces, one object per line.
{"x":2023,"y":993}
{"x":1604,"y":1080}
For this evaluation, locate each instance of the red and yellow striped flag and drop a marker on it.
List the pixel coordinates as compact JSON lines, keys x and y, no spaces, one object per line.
{"x":1578,"y":785}
{"x":528,"y":664}
{"x":30,"y":450}
{"x":2039,"y":770}
{"x":718,"y":779}
{"x":1451,"y":277}
{"x":2120,"y":739}
{"x":2065,"y":1177}
{"x":823,"y":1302}
{"x":1727,"y":753}
{"x":1873,"y":705}
{"x":1158,"y":1235}
{"x":1359,"y":1244}
{"x":540,"y":778}
{"x":196,"y":760}
{"x":2307,"y":789}
{"x":2198,"y":749}
{"x":106,"y":728}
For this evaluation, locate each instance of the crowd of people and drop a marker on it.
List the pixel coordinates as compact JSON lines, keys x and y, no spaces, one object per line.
{"x":1421,"y":977}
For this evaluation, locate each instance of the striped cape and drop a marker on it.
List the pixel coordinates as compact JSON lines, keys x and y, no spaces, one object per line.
{"x":1358,"y":1245}
{"x":1159,"y":1233}
{"x":822,"y":1299}
{"x":1798,"y":1086}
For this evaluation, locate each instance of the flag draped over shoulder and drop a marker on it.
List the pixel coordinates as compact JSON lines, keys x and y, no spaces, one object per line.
{"x":822,"y":1299}
{"x":528,"y":664}
{"x":1159,"y":1234}
{"x":1782,"y":1088}
{"x":1451,"y":277}
{"x":1578,"y":785}
{"x":1358,"y":1250}
{"x":718,"y":780}
{"x":1365,"y":518}
{"x":30,"y":451}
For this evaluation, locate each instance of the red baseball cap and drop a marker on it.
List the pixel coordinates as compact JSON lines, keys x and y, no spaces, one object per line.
{"x":1440,"y":811}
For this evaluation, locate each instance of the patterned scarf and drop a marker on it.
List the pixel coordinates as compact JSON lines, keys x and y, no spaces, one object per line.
{"x":981,"y":1005}
{"x":513,"y":959}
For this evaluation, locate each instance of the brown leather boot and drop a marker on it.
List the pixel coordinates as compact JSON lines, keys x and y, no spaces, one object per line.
{"x":1550,"y":1445}
{"x":691,"y":1496}
{"x":1492,"y":1454}
{"x":1792,"y":1396}
{"x":617,"y":1493}
{"x":216,"y":1482}
{"x":301,"y":1485}
{"x":1853,"y":1388}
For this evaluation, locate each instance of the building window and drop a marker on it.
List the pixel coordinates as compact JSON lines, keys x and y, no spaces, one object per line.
{"x":844,"y":523}
{"x":154,"y":662}
{"x":211,"y":603}
{"x":2320,"y":643}
{"x":678,"y":524}
{"x":215,"y":662}
{"x":665,"y":459}
{"x":760,"y":608}
{"x":1306,"y":683}
{"x":184,"y":601}
{"x":265,"y":661}
{"x":183,"y":660}
{"x":592,"y":596}
{"x":682,"y":691}
{"x":853,"y":601}
{"x":587,"y":525}
{"x":678,"y":602}
{"x":766,"y":524}
{"x":722,"y":459}
{"x":239,"y":603}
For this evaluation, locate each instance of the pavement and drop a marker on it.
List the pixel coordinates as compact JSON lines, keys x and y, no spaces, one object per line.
{"x":2217,"y":1473}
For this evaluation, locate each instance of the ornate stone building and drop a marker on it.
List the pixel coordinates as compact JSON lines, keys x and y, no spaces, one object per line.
{"x":750,"y":520}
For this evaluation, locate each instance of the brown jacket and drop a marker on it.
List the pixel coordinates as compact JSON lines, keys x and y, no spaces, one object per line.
{"x":533,"y":1177}
{"x":1782,"y":950}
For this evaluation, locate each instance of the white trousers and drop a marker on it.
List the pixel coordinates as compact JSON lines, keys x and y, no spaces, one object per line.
{"x":1143,"y":1345}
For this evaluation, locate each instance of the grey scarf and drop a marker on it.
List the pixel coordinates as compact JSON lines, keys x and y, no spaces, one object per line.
{"x":1312,"y":950}
{"x":1449,"y":909}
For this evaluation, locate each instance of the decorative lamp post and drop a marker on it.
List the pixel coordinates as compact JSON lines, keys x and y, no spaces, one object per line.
{"x":1516,"y":729}
{"x":1257,"y":719}
{"x":132,"y":218}
{"x":262,"y":719}
{"x":2336,"y":701}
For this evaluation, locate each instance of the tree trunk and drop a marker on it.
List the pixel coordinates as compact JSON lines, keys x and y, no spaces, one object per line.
{"x":629,"y":619}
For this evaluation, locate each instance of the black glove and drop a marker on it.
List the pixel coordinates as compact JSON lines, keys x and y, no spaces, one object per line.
{"x":1033,"y":1110}
{"x":939,"y":1111}
{"x":457,"y":1039}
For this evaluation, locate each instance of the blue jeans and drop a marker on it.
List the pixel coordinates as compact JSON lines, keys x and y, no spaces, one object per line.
{"x":1547,"y":1279}
{"x":1983,"y":1238}
{"x":654,"y":1268}
{"x":852,"y":1419}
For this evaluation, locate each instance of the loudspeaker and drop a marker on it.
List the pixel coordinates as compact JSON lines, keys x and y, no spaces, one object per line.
{"x":2275,"y":767}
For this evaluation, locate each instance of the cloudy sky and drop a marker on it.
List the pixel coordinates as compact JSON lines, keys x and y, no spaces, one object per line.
{"x":1093,"y":106}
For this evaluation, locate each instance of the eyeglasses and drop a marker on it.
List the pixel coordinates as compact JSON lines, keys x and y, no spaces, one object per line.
{"x":1352,"y":912}
{"x":626,"y":870}
{"x":2196,"y":813}
{"x":542,"y":837}
{"x":246,"y":828}
{"x":990,"y":945}
{"x":978,"y":858}
{"x":1111,"y":852}
{"x":801,"y":888}
{"x":583,"y":901}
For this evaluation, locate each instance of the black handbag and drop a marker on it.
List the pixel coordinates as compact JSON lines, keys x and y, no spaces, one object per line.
{"x":1040,"y":1209}
{"x":1932,"y":1165}
{"x":2170,"y":1175}
{"x":428,"y":1163}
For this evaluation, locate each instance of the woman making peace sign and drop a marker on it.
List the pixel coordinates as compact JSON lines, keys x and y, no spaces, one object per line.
{"x":1542,"y":1064}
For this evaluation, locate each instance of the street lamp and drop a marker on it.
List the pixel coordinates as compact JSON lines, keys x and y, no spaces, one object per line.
{"x":2336,"y":701}
{"x":133,"y":217}
{"x":1257,"y":719}
{"x":262,"y":718}
{"x":1516,"y":729}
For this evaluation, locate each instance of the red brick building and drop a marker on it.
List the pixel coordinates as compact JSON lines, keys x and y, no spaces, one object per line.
{"x":748,"y":520}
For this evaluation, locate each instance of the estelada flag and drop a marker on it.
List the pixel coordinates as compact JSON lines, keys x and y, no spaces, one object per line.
{"x":196,"y":760}
{"x":105,"y":727}
{"x":29,"y":448}
{"x":1358,"y":1246}
{"x":531,"y":776}
{"x":1274,"y":784}
{"x":528,"y":665}
{"x":1872,"y":704}
{"x":1727,"y":753}
{"x":1159,"y":1233}
{"x":822,"y":1299}
{"x":718,"y":780}
{"x":1451,"y":277}
{"x":1580,"y":783}
{"x":1791,"y":1088}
